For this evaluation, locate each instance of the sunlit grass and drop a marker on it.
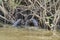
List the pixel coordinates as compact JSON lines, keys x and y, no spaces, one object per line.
{"x":13,"y":33}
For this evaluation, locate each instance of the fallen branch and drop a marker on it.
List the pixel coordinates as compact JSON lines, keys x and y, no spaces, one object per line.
{"x":5,"y":19}
{"x":3,"y":10}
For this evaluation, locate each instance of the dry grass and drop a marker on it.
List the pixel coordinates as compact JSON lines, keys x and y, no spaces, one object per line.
{"x":11,"y":33}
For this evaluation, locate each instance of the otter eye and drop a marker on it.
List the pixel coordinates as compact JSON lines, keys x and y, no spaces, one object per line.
{"x":29,"y":17}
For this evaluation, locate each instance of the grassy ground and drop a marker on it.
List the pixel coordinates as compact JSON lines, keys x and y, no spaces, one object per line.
{"x":11,"y":33}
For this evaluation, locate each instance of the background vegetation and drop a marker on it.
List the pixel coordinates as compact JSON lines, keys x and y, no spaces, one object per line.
{"x":46,"y":12}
